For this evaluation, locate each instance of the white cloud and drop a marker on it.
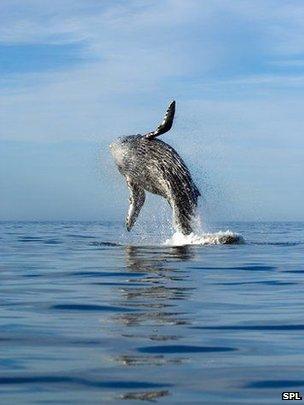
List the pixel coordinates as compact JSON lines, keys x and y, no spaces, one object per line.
{"x":138,"y":55}
{"x":218,"y":58}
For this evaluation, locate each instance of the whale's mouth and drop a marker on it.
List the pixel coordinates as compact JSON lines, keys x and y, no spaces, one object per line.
{"x":115,"y":145}
{"x":118,"y":151}
{"x":113,"y":149}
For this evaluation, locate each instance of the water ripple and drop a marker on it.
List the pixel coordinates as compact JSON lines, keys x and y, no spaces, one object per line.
{"x":88,"y":307}
{"x":92,"y":314}
{"x":283,"y":384}
{"x":184,"y":349}
{"x":63,"y":379}
{"x":252,"y":327}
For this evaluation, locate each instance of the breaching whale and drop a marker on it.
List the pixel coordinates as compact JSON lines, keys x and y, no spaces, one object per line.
{"x":149,"y":164}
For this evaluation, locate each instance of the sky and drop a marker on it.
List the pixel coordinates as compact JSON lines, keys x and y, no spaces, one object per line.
{"x":74,"y":75}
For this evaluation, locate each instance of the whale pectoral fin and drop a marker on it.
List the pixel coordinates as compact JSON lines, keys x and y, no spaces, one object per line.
{"x":136,"y":200}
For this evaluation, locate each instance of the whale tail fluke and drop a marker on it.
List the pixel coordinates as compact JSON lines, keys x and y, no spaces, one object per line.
{"x":166,"y":124}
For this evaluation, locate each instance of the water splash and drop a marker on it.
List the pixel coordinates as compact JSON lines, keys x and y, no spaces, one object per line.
{"x":217,"y":238}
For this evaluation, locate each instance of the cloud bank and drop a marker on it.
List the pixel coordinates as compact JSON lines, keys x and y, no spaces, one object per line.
{"x":77,"y":72}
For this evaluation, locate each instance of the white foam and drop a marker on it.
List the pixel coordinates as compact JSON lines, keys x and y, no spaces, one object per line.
{"x":217,"y":238}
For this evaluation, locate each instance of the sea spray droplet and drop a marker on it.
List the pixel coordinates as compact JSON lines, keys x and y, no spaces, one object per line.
{"x":217,"y":238}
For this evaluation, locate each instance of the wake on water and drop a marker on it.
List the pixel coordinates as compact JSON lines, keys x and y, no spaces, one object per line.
{"x":158,"y":236}
{"x":217,"y":238}
{"x":203,"y":238}
{"x":156,"y":233}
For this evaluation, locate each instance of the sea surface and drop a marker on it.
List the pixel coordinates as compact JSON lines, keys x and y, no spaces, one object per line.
{"x":91,"y":315}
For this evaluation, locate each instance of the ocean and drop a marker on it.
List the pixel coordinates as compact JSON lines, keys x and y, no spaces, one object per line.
{"x":92,"y":315}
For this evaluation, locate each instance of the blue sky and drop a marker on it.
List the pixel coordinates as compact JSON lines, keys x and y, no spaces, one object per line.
{"x":76,"y":74}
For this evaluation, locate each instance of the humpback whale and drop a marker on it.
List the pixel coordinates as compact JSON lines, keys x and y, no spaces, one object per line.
{"x":149,"y":164}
